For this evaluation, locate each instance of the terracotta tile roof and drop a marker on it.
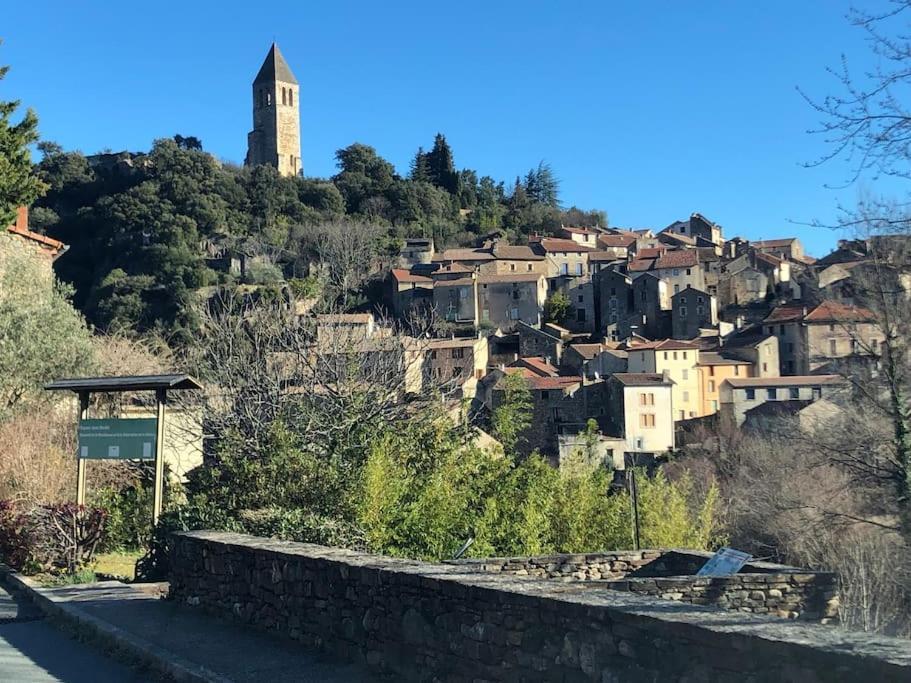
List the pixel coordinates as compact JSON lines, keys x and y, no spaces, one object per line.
{"x":806,"y":260}
{"x":826,"y":312}
{"x":458,"y":342}
{"x":667,"y":233}
{"x":465,"y":255}
{"x":461,"y":282}
{"x":650,"y":252}
{"x":707,"y":254}
{"x":551,"y":244}
{"x":516,"y":252}
{"x":510,"y":277}
{"x":768,"y":258}
{"x":587,"y":351}
{"x":785,"y":314}
{"x":834,"y":311}
{"x":527,"y":373}
{"x":616,"y":240}
{"x":43,"y":240}
{"x":539,"y":383}
{"x":640,"y":264}
{"x":402,"y":275}
{"x":715,"y":358}
{"x":637,"y":379}
{"x":790,"y":381}
{"x":537,"y":365}
{"x":682,"y":258}
{"x":599,"y":256}
{"x":454,"y":267}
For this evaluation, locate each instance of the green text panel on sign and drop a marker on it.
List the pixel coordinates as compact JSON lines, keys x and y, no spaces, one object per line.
{"x":118,"y":439}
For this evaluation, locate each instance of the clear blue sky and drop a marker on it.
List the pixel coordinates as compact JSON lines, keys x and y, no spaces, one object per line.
{"x":648,"y":110}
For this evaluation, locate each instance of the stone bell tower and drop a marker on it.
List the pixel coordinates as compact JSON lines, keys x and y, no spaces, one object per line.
{"x":275,"y":138}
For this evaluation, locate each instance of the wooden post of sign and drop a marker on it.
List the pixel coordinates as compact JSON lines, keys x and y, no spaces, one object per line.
{"x":80,"y":461}
{"x":161,"y":397}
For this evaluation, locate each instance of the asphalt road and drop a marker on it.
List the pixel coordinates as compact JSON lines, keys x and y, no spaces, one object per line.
{"x":32,"y":650}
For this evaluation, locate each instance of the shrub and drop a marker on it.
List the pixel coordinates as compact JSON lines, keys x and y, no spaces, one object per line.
{"x":302,"y":526}
{"x":56,"y":537}
{"x":129,"y":510}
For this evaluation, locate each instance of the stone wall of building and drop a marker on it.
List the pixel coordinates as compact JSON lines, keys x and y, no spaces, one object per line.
{"x":760,"y":588}
{"x":418,"y":621}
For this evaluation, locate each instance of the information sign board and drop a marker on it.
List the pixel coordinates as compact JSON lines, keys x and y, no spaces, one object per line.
{"x":118,"y":439}
{"x":725,"y":562}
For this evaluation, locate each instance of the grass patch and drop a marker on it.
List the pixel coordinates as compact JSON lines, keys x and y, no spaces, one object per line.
{"x":121,"y":563}
{"x":82,"y":576}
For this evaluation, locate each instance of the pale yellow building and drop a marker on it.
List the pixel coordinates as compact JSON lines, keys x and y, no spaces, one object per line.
{"x":679,"y":360}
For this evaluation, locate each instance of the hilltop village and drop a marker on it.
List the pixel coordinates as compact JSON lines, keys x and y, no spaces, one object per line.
{"x":648,"y":332}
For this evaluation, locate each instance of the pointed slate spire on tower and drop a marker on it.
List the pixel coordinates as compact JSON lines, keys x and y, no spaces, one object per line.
{"x":275,"y":68}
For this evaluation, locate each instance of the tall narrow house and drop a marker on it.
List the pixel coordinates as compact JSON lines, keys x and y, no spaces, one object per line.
{"x":275,"y":138}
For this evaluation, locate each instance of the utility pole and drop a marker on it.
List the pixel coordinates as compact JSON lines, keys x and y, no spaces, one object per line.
{"x":633,"y":499}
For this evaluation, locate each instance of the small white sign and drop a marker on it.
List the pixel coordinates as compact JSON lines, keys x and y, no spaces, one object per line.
{"x":84,"y":452}
{"x":146,"y":449}
{"x":113,"y":451}
{"x":725,"y":562}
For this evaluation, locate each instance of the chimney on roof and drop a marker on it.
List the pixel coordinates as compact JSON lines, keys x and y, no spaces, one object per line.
{"x":804,"y":311}
{"x":22,"y":218}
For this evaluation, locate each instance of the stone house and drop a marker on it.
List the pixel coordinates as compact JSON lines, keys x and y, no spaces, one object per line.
{"x":584,"y":236}
{"x":580,"y":293}
{"x":755,"y":346}
{"x":504,"y":300}
{"x":614,"y":306}
{"x":456,"y":300}
{"x":19,"y":240}
{"x":543,"y":343}
{"x":698,"y":228}
{"x":456,"y":365}
{"x":652,"y":306}
{"x":809,"y":339}
{"x":594,"y":361}
{"x":679,"y":268}
{"x":679,"y":361}
{"x":605,"y":259}
{"x":739,"y":395}
{"x":741,"y":284}
{"x":691,"y":311}
{"x":408,"y":291}
{"x":495,"y":258}
{"x":622,"y":245}
{"x":416,"y":250}
{"x":715,"y":367}
{"x":711,"y":265}
{"x":789,"y":248}
{"x":563,"y":256}
{"x":641,"y":410}
{"x":559,"y":407}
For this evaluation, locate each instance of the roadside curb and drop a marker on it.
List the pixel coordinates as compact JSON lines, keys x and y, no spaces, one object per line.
{"x":120,"y":643}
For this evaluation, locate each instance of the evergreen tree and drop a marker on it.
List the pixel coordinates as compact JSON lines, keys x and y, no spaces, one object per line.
{"x":542,"y":185}
{"x":18,"y":184}
{"x":441,"y":166}
{"x":420,"y":167}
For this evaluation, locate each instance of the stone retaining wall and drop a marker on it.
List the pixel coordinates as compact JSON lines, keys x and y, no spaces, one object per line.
{"x":760,"y":588}
{"x":420,"y":622}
